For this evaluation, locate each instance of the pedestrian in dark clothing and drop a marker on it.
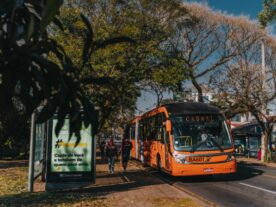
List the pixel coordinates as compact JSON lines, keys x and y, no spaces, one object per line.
{"x":110,"y":151}
{"x":102,"y":148}
{"x":126,"y":148}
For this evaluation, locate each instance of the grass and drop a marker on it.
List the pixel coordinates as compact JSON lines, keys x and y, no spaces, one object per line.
{"x":13,"y":191}
{"x":13,"y":180}
{"x":60,"y":199}
{"x":174,"y":202}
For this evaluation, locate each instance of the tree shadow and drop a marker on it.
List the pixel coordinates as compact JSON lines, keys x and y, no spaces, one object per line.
{"x":243,"y":173}
{"x":47,"y":198}
{"x":5,"y":164}
{"x":137,"y":179}
{"x":251,"y":164}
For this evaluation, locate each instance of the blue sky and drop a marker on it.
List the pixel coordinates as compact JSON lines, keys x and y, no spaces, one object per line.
{"x":249,"y":8}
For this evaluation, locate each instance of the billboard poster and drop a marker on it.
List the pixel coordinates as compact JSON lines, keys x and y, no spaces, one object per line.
{"x":65,"y":156}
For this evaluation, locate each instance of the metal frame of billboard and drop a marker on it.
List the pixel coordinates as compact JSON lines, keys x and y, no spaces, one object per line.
{"x":36,"y":166}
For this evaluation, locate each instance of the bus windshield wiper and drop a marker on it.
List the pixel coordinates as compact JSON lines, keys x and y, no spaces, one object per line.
{"x":215,"y":142}
{"x":202,"y":142}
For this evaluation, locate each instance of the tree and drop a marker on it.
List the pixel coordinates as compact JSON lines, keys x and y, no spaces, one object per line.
{"x":14,"y":134}
{"x":148,"y":22}
{"x":268,"y":13}
{"x":244,"y":87}
{"x":29,"y":76}
{"x":166,"y":78}
{"x":211,"y":41}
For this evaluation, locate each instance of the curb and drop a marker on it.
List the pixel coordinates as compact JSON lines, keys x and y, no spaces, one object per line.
{"x":248,"y":162}
{"x":210,"y":203}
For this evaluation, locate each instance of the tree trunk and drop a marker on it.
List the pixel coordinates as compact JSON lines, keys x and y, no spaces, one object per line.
{"x":199,"y":90}
{"x":159,"y":94}
{"x":264,"y":146}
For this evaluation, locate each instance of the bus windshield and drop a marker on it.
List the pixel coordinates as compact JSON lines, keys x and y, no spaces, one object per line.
{"x":200,"y":132}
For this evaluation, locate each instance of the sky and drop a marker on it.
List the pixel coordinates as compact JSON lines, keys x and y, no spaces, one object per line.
{"x":249,"y":8}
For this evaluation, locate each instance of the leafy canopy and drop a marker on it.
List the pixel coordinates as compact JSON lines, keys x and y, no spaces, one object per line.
{"x":268,"y":13}
{"x":29,"y":76}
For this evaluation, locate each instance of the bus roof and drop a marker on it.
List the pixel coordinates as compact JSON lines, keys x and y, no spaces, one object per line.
{"x":191,"y":108}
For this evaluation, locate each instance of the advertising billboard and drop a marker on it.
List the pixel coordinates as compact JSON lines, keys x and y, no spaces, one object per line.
{"x":66,"y":156}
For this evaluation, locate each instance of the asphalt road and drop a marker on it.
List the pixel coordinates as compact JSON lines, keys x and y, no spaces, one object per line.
{"x":251,"y":186}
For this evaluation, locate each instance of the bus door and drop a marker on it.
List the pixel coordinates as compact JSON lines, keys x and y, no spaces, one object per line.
{"x":154,"y":139}
{"x":160,"y":142}
{"x":135,"y":146}
{"x":147,"y":149}
{"x":146,"y":140}
{"x":140,"y":142}
{"x":167,"y":149}
{"x":131,"y":136}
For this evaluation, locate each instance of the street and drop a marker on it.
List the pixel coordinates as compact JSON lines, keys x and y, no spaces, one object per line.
{"x":252,"y":185}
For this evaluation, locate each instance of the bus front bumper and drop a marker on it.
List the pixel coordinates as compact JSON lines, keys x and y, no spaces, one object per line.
{"x":204,"y":169}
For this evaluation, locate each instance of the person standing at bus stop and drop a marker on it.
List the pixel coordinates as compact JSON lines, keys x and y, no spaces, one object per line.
{"x":126,"y":148}
{"x":111,"y":151}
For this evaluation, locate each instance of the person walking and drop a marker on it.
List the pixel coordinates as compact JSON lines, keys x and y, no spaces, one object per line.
{"x":126,"y":148}
{"x":111,"y":151}
{"x":102,"y":148}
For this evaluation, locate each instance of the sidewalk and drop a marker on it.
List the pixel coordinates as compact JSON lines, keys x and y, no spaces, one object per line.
{"x":138,"y":188}
{"x":254,"y":161}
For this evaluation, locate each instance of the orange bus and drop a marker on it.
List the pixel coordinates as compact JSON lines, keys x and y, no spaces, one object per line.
{"x":183,"y":139}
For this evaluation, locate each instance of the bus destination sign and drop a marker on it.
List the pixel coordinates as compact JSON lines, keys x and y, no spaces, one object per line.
{"x":199,"y":118}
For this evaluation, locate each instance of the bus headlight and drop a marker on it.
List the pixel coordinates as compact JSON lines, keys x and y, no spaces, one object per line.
{"x":230,"y":157}
{"x":179,"y":158}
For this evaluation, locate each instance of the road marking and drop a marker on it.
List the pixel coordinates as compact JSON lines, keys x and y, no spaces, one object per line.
{"x":125,"y":178}
{"x":263,"y":189}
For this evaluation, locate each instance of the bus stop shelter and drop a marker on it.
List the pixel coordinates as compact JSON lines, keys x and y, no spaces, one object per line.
{"x":247,"y":139}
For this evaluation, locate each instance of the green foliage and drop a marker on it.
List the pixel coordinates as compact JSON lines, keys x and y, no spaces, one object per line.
{"x":125,"y":66}
{"x":14,"y":134}
{"x":28,"y":75}
{"x":268,"y":13}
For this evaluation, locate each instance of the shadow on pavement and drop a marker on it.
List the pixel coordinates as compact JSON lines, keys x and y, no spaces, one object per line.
{"x":251,"y":164}
{"x":138,"y":179}
{"x":4,"y":164}
{"x":46,"y":198}
{"x":243,"y":173}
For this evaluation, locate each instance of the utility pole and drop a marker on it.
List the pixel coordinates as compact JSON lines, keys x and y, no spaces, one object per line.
{"x":263,"y":138}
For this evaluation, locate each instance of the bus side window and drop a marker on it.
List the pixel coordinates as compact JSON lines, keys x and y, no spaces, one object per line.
{"x":146,"y":129}
{"x":152,"y":128}
{"x":162,"y":127}
{"x":158,"y":128}
{"x":132,"y":132}
{"x":167,"y":138}
{"x":141,"y":131}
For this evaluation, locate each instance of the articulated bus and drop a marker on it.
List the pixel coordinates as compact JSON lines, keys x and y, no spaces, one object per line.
{"x":183,"y":139}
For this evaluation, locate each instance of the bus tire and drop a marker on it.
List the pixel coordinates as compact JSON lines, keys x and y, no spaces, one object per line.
{"x":158,"y":163}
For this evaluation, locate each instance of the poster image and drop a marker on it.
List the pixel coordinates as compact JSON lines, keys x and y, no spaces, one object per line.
{"x":65,"y":156}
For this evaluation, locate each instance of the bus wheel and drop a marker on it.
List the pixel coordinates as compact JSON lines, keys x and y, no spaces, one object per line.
{"x":158,"y":161}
